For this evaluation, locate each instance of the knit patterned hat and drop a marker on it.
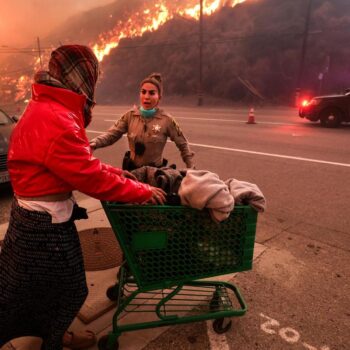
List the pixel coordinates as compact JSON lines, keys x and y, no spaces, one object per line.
{"x":156,"y":80}
{"x":73,"y":67}
{"x":76,"y":67}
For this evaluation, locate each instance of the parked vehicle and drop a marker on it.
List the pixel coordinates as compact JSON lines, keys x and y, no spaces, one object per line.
{"x":7,"y":124}
{"x":329,"y":110}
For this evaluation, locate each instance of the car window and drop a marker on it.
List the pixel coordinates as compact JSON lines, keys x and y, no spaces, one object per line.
{"x":4,"y":119}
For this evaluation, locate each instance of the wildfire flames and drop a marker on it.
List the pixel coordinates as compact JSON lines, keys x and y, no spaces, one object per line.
{"x":136,"y":23}
{"x":151,"y":18}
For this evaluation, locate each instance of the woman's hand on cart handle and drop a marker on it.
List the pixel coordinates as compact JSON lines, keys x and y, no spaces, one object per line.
{"x":158,"y":196}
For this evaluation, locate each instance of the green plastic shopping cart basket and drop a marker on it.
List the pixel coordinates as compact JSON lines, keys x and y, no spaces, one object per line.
{"x":168,"y":251}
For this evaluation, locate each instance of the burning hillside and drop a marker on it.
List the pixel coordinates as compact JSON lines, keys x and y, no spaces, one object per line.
{"x":255,"y":44}
{"x":133,"y":20}
{"x":149,"y":16}
{"x":252,"y":47}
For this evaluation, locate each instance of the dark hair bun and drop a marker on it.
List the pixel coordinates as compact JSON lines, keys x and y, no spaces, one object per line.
{"x":156,"y":76}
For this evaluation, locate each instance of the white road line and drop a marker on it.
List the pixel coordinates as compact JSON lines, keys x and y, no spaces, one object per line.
{"x":217,"y":341}
{"x":222,"y":120}
{"x":116,"y":114}
{"x":236,"y":121}
{"x":347,"y":165}
{"x":95,"y":131}
{"x":309,"y":347}
{"x":272,"y":155}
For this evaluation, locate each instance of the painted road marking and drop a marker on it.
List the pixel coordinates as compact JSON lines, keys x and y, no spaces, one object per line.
{"x":220,"y":120}
{"x":217,"y":341}
{"x":267,"y":326}
{"x":271,"y":155}
{"x":310,"y":160}
{"x":310,"y":347}
{"x":95,"y":131}
{"x":288,"y":334}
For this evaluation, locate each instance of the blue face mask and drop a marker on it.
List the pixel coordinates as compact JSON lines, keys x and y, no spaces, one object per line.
{"x":148,"y":113}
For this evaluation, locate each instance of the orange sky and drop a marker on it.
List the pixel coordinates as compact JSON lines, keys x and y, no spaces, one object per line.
{"x":22,"y":21}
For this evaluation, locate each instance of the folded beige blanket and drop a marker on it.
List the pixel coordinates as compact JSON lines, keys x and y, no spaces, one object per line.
{"x":246,"y":193}
{"x":203,"y":189}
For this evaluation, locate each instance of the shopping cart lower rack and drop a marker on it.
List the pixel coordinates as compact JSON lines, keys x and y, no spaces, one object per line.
{"x":168,"y":251}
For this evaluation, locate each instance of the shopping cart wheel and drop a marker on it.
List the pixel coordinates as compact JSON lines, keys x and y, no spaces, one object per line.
{"x":112,"y":292}
{"x":218,"y":325}
{"x":103,"y":344}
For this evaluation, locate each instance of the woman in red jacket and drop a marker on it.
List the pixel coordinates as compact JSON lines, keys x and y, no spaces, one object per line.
{"x":42,"y":276}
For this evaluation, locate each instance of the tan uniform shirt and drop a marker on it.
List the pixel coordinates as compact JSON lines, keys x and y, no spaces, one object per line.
{"x":152,"y":132}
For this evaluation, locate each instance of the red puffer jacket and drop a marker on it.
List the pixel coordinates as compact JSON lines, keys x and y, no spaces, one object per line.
{"x":49,"y":152}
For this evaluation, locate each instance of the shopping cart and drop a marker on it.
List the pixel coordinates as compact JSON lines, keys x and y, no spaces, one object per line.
{"x":168,"y":251}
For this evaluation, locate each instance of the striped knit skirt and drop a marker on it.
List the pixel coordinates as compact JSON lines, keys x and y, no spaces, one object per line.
{"x":42,"y":278}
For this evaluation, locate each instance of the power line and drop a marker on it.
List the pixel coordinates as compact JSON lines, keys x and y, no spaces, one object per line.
{"x":34,"y":51}
{"x":18,"y":71}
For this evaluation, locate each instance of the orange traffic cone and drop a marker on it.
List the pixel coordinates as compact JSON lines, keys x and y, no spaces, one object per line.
{"x":251,"y":117}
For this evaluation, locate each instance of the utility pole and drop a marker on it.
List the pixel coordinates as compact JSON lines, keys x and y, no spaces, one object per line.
{"x":39,"y":51}
{"x":303,"y":52}
{"x":200,"y":87}
{"x":324,"y":74}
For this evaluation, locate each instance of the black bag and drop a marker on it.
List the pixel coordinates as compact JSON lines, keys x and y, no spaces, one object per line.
{"x":128,"y":163}
{"x":78,"y":213}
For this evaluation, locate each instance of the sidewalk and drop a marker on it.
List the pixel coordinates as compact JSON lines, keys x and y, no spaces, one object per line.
{"x":98,"y":282}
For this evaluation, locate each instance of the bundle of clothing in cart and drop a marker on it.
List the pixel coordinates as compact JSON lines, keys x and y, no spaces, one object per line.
{"x":203,"y":189}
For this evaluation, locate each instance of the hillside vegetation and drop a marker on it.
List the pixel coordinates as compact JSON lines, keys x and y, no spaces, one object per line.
{"x":257,"y":41}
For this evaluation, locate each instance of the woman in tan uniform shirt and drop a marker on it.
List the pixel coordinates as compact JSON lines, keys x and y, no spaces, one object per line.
{"x":148,"y":128}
